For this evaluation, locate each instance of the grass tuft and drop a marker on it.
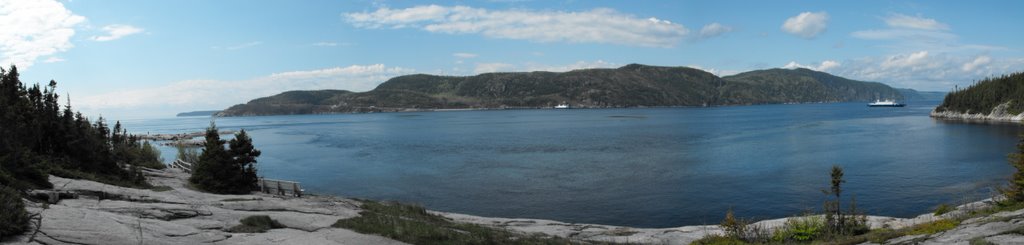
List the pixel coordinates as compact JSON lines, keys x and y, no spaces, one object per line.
{"x":256,"y":224}
{"x":933,"y":227}
{"x":413,"y":224}
{"x":943,"y":209}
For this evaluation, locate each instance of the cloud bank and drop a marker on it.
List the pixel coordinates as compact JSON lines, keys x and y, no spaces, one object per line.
{"x":219,"y":94}
{"x":34,"y":28}
{"x":595,"y":26}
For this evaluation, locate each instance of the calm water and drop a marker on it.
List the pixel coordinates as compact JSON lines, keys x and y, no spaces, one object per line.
{"x":635,"y":167}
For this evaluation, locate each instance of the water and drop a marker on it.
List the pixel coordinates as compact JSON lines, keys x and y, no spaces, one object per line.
{"x":637,"y":167}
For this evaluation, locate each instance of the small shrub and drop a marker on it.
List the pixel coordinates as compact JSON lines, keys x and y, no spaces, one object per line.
{"x":13,"y":218}
{"x":718,"y":240}
{"x":256,"y":224}
{"x":980,"y":241}
{"x":413,"y":224}
{"x":800,"y":229}
{"x":943,"y":209}
{"x":933,"y":227}
{"x":161,"y":188}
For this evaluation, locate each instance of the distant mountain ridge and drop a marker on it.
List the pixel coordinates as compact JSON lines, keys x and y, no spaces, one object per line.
{"x":914,"y":95}
{"x":632,"y":85}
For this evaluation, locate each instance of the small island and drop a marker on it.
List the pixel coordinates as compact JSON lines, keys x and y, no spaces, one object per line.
{"x":198,"y":113}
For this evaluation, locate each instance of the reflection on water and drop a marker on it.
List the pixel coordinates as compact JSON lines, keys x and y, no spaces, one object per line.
{"x":638,"y":167}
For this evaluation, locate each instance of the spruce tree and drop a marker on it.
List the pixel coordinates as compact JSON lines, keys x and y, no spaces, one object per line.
{"x":213,"y":165}
{"x":244,"y":155}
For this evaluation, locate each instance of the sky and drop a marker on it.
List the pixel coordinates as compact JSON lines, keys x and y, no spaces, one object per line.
{"x":153,"y":59}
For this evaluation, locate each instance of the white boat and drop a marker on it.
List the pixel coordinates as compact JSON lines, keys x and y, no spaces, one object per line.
{"x":885,"y":103}
{"x":562,"y":106}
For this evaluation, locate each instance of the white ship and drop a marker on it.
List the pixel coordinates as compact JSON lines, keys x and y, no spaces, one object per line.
{"x":562,"y":106}
{"x":885,"y":103}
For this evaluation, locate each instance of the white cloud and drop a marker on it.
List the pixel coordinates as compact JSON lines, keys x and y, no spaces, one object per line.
{"x":594,"y":26}
{"x":714,"y":30}
{"x":243,"y":45}
{"x":197,"y":94}
{"x":806,"y":25}
{"x":115,"y":32}
{"x":904,"y":34}
{"x":824,"y":66}
{"x":465,"y":55}
{"x":53,"y":60}
{"x":717,"y":72}
{"x":977,"y":62}
{"x":325,"y":44}
{"x":493,"y":67}
{"x":906,"y":60}
{"x":33,"y":29}
{"x":911,"y":22}
{"x":918,"y":33}
{"x":925,"y":70}
{"x":532,"y":66}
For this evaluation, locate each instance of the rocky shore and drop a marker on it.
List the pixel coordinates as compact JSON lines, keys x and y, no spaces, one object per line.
{"x":998,"y":114}
{"x":105,"y":214}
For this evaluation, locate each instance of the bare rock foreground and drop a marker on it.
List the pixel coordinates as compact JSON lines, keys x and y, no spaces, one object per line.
{"x":106,"y":214}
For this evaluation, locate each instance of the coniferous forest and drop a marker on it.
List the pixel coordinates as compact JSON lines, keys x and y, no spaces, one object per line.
{"x":984,"y":95}
{"x":40,"y":137}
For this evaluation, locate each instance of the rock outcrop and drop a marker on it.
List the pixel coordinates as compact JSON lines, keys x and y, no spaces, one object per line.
{"x":999,"y":114}
{"x":106,"y":214}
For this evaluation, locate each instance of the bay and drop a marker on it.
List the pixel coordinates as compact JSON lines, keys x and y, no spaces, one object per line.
{"x":653,"y":167}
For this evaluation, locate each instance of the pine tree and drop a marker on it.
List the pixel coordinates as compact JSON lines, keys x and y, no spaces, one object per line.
{"x":214,"y":164}
{"x":244,"y":155}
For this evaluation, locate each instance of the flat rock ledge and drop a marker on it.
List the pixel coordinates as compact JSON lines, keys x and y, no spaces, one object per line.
{"x":106,"y":214}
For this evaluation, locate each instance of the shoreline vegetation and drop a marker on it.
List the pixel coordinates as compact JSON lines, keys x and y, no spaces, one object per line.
{"x":993,"y":99}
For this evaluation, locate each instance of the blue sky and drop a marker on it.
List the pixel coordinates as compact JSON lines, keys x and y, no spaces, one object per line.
{"x":144,"y":59}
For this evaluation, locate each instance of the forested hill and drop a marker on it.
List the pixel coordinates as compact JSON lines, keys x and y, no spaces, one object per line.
{"x":628,"y":86}
{"x":986,"y":95}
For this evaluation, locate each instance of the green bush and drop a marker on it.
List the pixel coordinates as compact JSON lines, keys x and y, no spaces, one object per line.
{"x":800,"y":229}
{"x":718,"y":240}
{"x":149,"y":156}
{"x":13,"y":217}
{"x":933,"y":227}
{"x":414,"y":225}
{"x":943,"y":209}
{"x":256,"y":224}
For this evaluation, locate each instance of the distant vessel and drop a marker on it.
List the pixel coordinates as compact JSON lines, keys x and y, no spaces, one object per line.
{"x":885,"y":103}
{"x":562,"y":106}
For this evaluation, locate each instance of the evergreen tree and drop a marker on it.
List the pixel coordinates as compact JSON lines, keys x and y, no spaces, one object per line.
{"x":213,"y":164}
{"x":244,"y":155}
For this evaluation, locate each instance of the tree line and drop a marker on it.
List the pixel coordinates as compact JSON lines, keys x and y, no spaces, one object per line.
{"x":38,"y":137}
{"x":984,"y":95}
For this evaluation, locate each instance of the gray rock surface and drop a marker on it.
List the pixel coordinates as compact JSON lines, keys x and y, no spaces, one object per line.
{"x":105,"y":214}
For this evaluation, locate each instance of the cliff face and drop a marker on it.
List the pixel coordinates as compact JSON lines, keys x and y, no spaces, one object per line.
{"x":628,"y":86}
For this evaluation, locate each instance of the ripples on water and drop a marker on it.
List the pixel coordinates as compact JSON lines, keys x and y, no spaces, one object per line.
{"x":637,"y":167}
